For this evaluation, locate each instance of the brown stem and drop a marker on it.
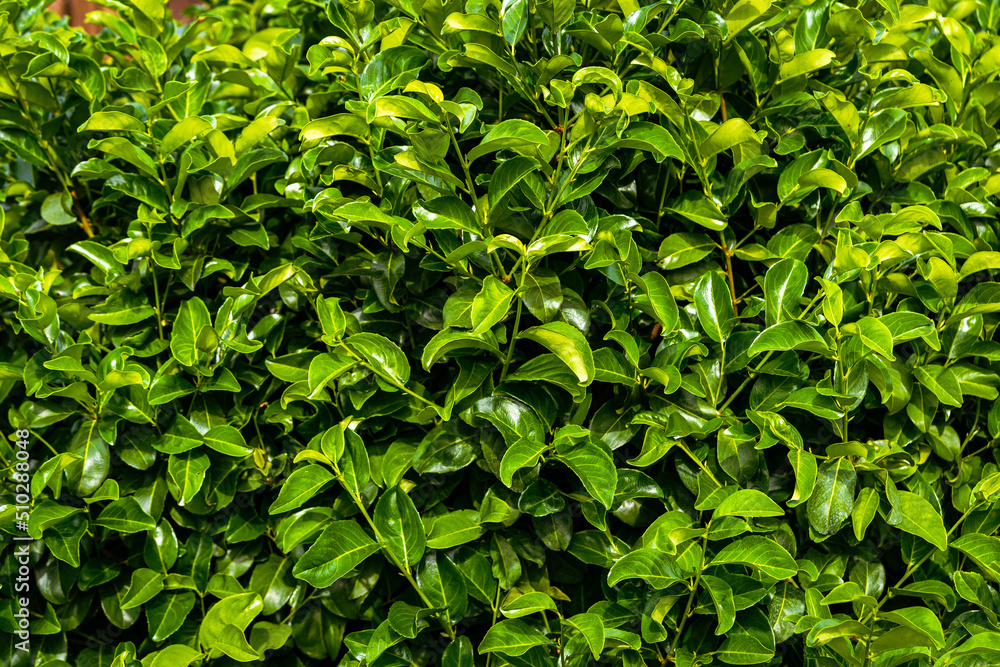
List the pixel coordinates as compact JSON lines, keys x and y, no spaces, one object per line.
{"x":729,"y":270}
{"x":83,"y":217}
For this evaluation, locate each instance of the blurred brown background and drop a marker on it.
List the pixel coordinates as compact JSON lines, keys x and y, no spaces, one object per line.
{"x":77,"y":9}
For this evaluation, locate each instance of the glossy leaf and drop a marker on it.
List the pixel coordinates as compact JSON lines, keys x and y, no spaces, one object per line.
{"x":398,"y":524}
{"x":339,"y":549}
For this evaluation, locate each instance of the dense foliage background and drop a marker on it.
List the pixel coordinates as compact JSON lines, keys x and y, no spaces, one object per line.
{"x":532,"y":333}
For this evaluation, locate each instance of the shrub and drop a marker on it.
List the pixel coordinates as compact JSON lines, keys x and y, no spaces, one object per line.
{"x":514,"y":333}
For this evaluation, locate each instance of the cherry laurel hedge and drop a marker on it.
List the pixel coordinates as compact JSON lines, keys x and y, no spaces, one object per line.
{"x":528,"y":333}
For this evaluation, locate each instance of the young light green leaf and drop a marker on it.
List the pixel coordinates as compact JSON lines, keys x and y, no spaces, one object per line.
{"x":227,"y":440}
{"x":748,"y":503}
{"x":513,"y":638}
{"x":915,"y":515}
{"x":522,"y":454}
{"x":761,"y":553}
{"x":191,"y":318}
{"x":455,"y":528}
{"x":864,"y":511}
{"x":491,"y":305}
{"x":566,"y":342}
{"x":804,"y":465}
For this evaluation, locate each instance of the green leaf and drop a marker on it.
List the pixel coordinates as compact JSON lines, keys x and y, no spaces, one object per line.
{"x":513,"y":19}
{"x":187,"y":471}
{"x":226,"y":440}
{"x":714,"y":303}
{"x":783,"y":287}
{"x":743,"y":14}
{"x":804,"y":465}
{"x":980,"y":261}
{"x":919,"y":619}
{"x":542,"y":293}
{"x":166,"y":614}
{"x":448,"y":340}
{"x":441,"y":581}
{"x":915,"y":515}
{"x":795,"y":335}
{"x":447,"y":213}
{"x":179,"y":655}
{"x":748,"y":503}
{"x":941,"y":382}
{"x":731,"y":133}
{"x":661,"y":301}
{"x":595,"y":468}
{"x":399,"y":526}
{"x":144,"y":586}
{"x":650,"y":137}
{"x":656,"y":568}
{"x":879,"y":129}
{"x":344,"y":124}
{"x":300,"y":486}
{"x":699,"y":209}
{"x":983,"y":550}
{"x":804,"y":63}
{"x":457,"y":22}
{"x":160,"y":552}
{"x":508,"y":174}
{"x":522,"y":454}
{"x":491,"y":305}
{"x":339,"y":549}
{"x":100,"y":257}
{"x":750,"y":641}
{"x":722,"y":597}
{"x":527,"y":604}
{"x":512,"y":418}
{"x":354,"y":464}
{"x":512,"y":638}
{"x":458,"y":653}
{"x":833,"y":496}
{"x":566,"y":342}
{"x":112,"y":121}
{"x":682,"y":249}
{"x":864,"y":510}
{"x":892,"y":6}
{"x":168,"y":388}
{"x":591,"y":626}
{"x":125,"y":516}
{"x":191,"y":318}
{"x":760,"y":553}
{"x":381,"y":355}
{"x":514,"y":134}
{"x":455,"y":528}
{"x":232,"y":642}
{"x":325,"y":369}
{"x":875,"y":336}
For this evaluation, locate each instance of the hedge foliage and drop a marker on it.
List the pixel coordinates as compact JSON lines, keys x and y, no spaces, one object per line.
{"x":533,"y":333}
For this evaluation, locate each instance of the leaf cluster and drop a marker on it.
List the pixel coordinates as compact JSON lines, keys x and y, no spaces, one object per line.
{"x":526,"y":332}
